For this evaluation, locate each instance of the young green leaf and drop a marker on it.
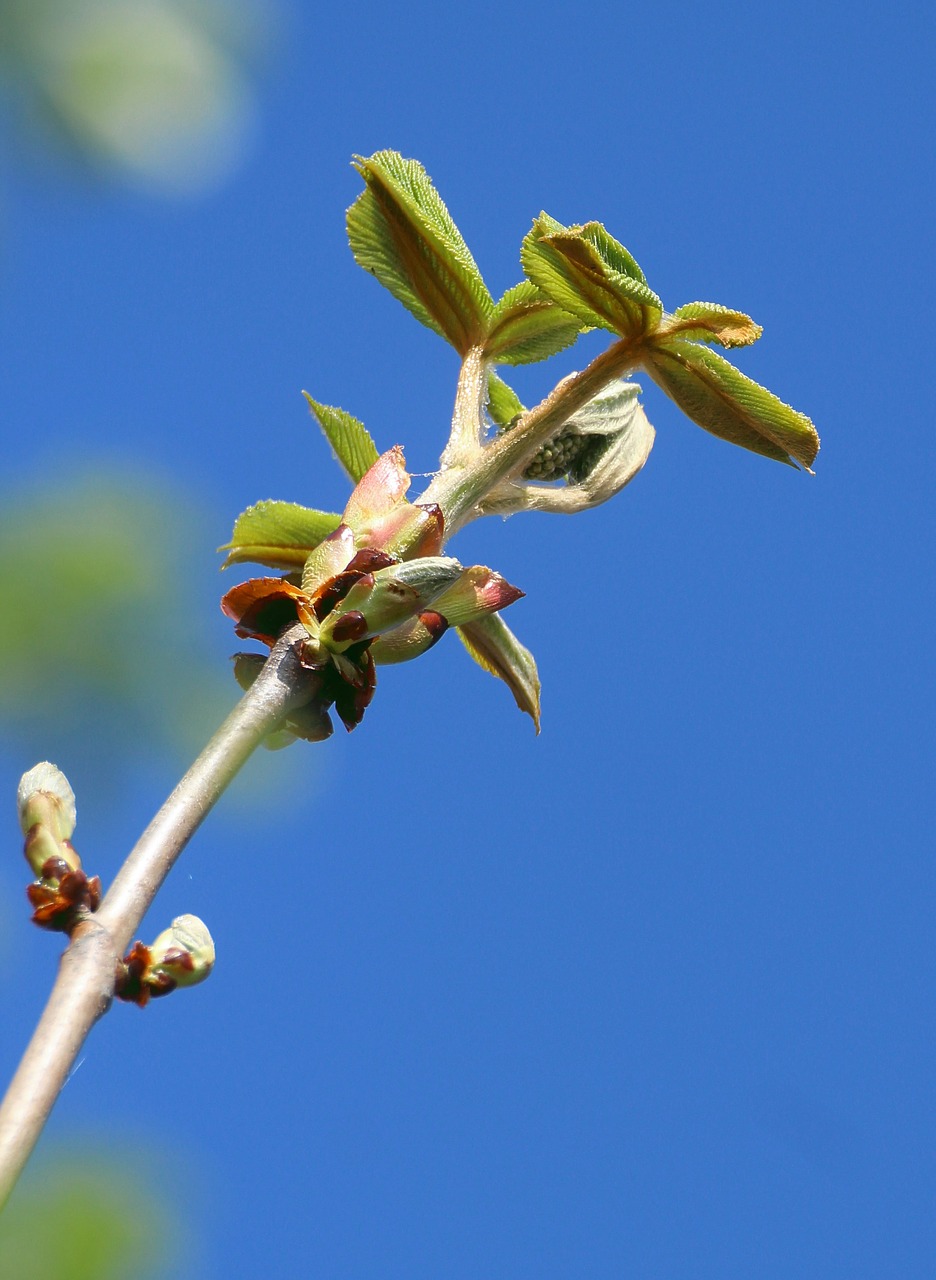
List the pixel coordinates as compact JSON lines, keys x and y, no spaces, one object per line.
{"x":402,"y":233}
{"x":495,"y":648}
{"x":590,"y":274}
{"x":527,"y":326}
{"x":708,"y":322}
{"x":278,"y":534}
{"x":717,"y":396}
{"x":503,"y":402}
{"x":349,"y":438}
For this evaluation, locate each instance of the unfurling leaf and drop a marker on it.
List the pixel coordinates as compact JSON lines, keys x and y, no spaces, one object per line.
{"x":717,"y":396}
{"x":278,"y":534}
{"x":598,"y":451}
{"x":590,"y":274}
{"x":477,"y":593}
{"x":349,"y":438}
{"x":503,"y":402}
{"x":708,"y":322}
{"x":390,"y":596}
{"x":495,"y":648}
{"x":527,"y":326}
{"x":402,"y":233}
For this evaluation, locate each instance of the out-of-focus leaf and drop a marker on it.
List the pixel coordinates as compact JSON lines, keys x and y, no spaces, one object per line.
{"x":107,"y":633}
{"x":526,"y":326}
{"x":278,"y":534}
{"x":709,"y":322}
{"x":347,"y":435}
{"x":87,"y":1218}
{"x":156,"y":89}
{"x":403,"y":234}
{"x":717,"y":396}
{"x":495,"y":648}
{"x":590,"y":274}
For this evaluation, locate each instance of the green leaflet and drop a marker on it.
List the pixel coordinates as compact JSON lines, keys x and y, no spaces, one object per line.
{"x":590,"y":274}
{"x":717,"y":396}
{"x":402,"y":233}
{"x":708,"y":322}
{"x":527,"y":326}
{"x":348,"y":436}
{"x":495,"y":648}
{"x":278,"y":534}
{"x":503,"y":402}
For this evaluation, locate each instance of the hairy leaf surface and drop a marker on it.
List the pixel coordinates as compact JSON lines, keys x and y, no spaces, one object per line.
{"x":527,"y":326}
{"x":403,"y":234}
{"x":717,"y":396}
{"x":708,"y":322}
{"x":278,"y":534}
{"x":590,"y":274}
{"x":347,"y":435}
{"x":495,"y":648}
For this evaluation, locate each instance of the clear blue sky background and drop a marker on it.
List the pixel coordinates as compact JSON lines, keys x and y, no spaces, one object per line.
{"x":650,"y":995}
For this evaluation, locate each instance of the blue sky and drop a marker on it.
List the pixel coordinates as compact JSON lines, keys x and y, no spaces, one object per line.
{"x":650,"y":995}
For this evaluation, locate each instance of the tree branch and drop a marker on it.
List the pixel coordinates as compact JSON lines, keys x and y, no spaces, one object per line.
{"x":85,"y":984}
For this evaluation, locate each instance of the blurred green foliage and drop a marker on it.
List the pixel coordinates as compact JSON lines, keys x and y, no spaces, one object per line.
{"x":104,"y":636}
{"x":157,"y":91}
{"x":88,"y":1217}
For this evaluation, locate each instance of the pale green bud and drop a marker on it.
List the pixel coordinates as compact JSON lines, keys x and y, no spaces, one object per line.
{"x":45,"y":796}
{"x":383,"y":600}
{"x":184,"y":952}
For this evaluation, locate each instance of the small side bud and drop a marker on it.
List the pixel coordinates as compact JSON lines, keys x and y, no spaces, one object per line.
{"x":181,"y":956}
{"x":185,"y":951}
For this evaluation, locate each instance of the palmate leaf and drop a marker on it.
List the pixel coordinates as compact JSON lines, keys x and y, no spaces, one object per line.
{"x":348,"y":436}
{"x":402,"y":233}
{"x":708,"y":322}
{"x":590,"y":274}
{"x":278,"y":534}
{"x":717,"y":396}
{"x":527,"y":326}
{"x":495,"y":648}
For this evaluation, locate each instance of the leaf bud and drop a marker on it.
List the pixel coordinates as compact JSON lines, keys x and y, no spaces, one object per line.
{"x":181,"y":956}
{"x":184,"y":952}
{"x":45,"y":796}
{"x":389,"y":597}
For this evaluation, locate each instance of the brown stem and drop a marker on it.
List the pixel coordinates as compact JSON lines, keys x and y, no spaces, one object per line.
{"x":85,"y":982}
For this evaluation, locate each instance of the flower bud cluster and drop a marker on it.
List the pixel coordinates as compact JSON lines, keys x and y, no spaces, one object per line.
{"x":557,"y":457}
{"x":596,"y":453}
{"x":377,"y":589}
